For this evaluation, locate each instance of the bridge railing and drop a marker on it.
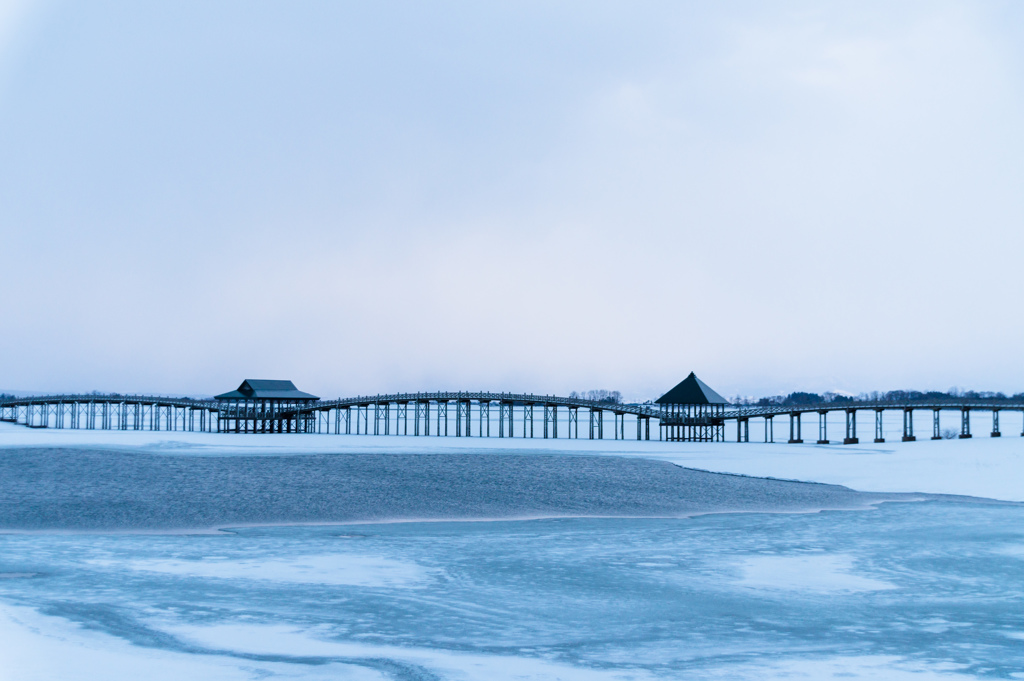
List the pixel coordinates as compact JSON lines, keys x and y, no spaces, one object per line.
{"x":112,"y":398}
{"x":872,"y":405}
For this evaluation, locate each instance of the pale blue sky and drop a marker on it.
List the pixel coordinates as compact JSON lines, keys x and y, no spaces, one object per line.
{"x":367,"y":197}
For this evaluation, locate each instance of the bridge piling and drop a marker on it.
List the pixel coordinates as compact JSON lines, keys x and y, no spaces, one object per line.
{"x":851,"y":428}
{"x":823,"y":427}
{"x":995,"y":423}
{"x":936,"y":431}
{"x":908,"y":425}
{"x":794,"y":428}
{"x":965,"y":423}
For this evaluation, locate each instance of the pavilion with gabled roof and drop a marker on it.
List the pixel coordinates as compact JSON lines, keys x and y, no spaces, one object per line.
{"x":693,"y":412}
{"x":265,"y":406}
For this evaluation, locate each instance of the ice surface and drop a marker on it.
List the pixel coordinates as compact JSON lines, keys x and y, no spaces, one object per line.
{"x":982,"y":466}
{"x":98,"y":489}
{"x":628,"y":577}
{"x":904,"y":591}
{"x":348,"y":569}
{"x":36,"y":647}
{"x":818,"y":573}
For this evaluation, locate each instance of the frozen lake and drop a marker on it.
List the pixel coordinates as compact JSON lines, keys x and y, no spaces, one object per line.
{"x":110,"y":568}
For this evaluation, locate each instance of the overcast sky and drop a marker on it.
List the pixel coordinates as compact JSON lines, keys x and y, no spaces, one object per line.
{"x":380,"y":196}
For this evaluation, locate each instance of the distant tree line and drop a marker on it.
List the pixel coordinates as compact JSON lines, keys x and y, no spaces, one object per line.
{"x":603,"y":396}
{"x":796,"y":399}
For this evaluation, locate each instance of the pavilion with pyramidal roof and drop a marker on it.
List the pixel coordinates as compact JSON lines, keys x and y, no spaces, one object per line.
{"x":693,"y":412}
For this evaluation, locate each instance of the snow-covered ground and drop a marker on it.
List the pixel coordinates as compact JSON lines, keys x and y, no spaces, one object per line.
{"x":982,"y":466}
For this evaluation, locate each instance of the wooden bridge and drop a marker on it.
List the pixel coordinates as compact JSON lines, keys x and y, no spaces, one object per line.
{"x":478,"y":414}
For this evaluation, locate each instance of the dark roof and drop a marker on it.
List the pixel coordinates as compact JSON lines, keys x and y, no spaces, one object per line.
{"x":691,"y":390}
{"x":257,"y":389}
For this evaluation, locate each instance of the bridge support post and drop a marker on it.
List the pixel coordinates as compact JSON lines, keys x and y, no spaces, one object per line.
{"x":794,"y":429}
{"x":936,"y":429}
{"x":908,"y":425}
{"x":528,"y":416}
{"x":769,"y":429}
{"x":822,"y":427}
{"x":503,"y":411}
{"x":851,"y":427}
{"x":593,"y":423}
{"x":879,"y":436}
{"x":965,"y":423}
{"x":574,"y":419}
{"x":995,"y":423}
